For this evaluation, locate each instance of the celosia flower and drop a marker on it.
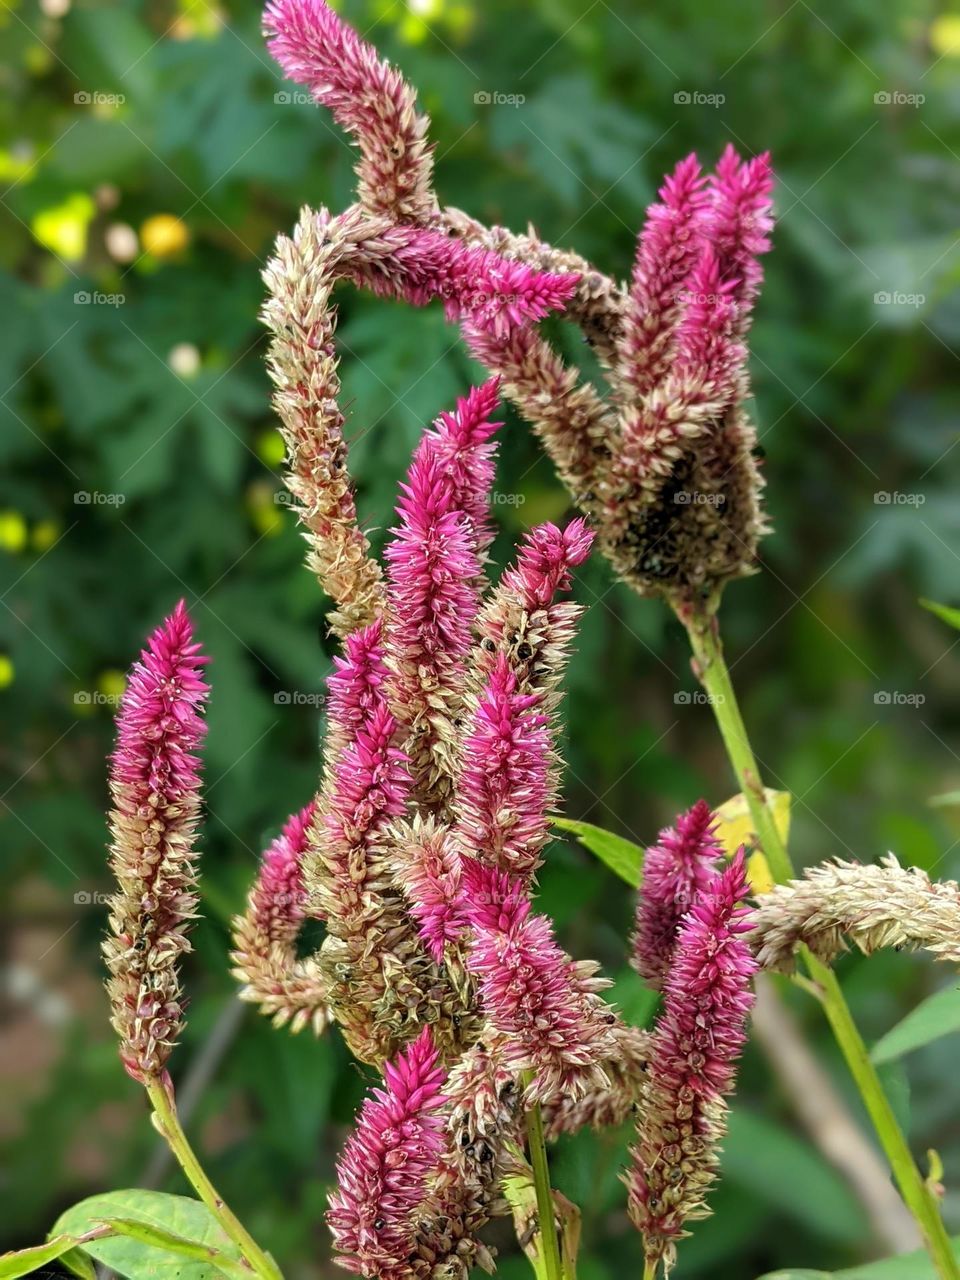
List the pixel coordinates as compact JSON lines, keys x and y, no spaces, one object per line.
{"x":367,"y":97}
{"x":542,"y":1004}
{"x":610,"y":1105}
{"x":155,"y":787}
{"x":874,"y":906}
{"x":676,"y":870}
{"x":434,"y":571}
{"x":384,"y":1171}
{"x":426,"y":862}
{"x":697,"y":1041}
{"x":505,"y":788}
{"x":288,"y":989}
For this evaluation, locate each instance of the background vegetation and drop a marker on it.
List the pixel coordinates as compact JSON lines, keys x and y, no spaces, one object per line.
{"x":147,"y":161}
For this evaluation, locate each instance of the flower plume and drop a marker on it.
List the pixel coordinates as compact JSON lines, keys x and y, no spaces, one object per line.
{"x":155,"y":788}
{"x":696,"y":1043}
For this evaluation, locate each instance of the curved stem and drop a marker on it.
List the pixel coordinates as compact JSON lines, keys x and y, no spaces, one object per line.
{"x":160,"y":1093}
{"x":537,"y":1147}
{"x":649,"y":1269}
{"x":713,"y":674}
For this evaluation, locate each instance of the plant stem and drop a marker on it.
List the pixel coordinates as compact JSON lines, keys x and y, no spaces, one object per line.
{"x":712,"y":671}
{"x":649,"y":1269}
{"x":160,"y":1093}
{"x":537,"y":1148}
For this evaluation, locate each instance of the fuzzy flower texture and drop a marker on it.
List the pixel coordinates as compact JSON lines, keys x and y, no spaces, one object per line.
{"x":419,"y":852}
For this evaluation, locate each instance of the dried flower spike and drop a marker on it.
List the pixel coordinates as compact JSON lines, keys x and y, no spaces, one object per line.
{"x":287,"y":989}
{"x":155,"y":787}
{"x":696,"y":1043}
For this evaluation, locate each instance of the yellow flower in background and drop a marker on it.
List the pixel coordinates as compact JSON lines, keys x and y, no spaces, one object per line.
{"x":44,"y":535}
{"x":63,"y":228}
{"x":6,"y":671}
{"x":945,"y":35}
{"x":111,"y":684}
{"x":266,"y":514}
{"x":196,"y":20}
{"x":164,"y":235}
{"x":270,"y":448}
{"x":17,"y":164}
{"x":13,"y":531}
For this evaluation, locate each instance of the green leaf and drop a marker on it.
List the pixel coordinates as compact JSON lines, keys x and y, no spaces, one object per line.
{"x":772,"y":1163}
{"x":623,"y":857}
{"x":159,"y":1232}
{"x":937,"y":1016}
{"x":945,"y":800}
{"x":24,"y":1261}
{"x":943,"y":611}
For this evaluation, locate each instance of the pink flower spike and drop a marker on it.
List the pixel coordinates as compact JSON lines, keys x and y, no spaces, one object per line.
{"x":698,"y":1038}
{"x":155,"y":786}
{"x":676,"y":871}
{"x":504,"y":788}
{"x":667,"y":249}
{"x":356,"y":685}
{"x":385,"y":1167}
{"x":541,"y":1002}
{"x":462,"y":444}
{"x":546,"y":558}
{"x":427,"y":865}
{"x":277,"y":900}
{"x":740,"y":220}
{"x":368,"y":97}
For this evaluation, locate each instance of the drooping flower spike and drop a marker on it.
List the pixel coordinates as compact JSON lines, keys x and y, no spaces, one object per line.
{"x":676,"y":871}
{"x":872,"y":906}
{"x":286,"y":988}
{"x":155,"y":789}
{"x":696,"y":1043}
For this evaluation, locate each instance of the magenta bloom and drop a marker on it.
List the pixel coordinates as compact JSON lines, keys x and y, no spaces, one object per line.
{"x":676,"y":871}
{"x":505,"y":789}
{"x":384,"y":1170}
{"x":697,"y":1041}
{"x":547,"y":556}
{"x":542,"y":1003}
{"x":427,"y":864}
{"x":155,"y":786}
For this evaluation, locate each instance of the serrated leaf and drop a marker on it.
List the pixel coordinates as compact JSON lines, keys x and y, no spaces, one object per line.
{"x":155,"y":1212}
{"x":23,"y":1261}
{"x":938,"y":1015}
{"x":623,"y":857}
{"x":944,"y":612}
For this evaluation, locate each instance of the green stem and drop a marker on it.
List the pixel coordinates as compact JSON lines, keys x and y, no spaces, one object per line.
{"x":715,"y":678}
{"x":537,"y":1148}
{"x":160,"y":1093}
{"x":649,"y":1269}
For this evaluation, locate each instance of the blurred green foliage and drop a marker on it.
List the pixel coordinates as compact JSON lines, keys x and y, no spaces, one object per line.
{"x":146,"y":162}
